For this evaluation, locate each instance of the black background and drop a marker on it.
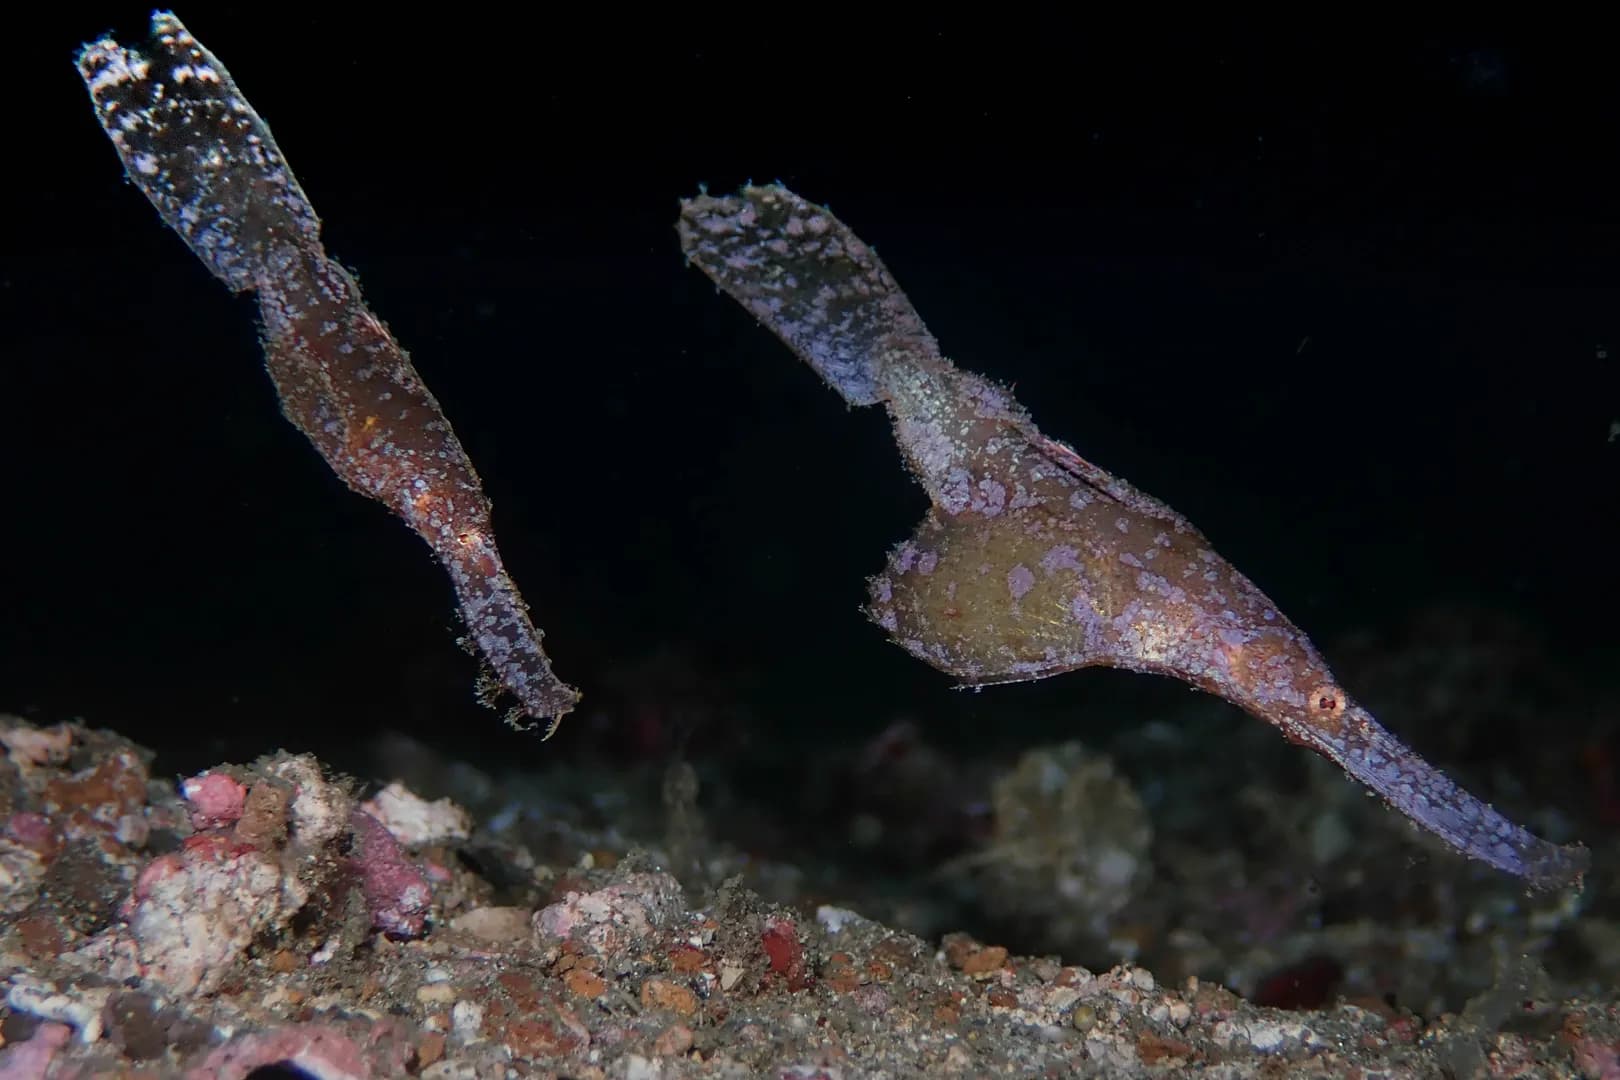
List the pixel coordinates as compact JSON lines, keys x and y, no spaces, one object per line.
{"x":1346,"y":303}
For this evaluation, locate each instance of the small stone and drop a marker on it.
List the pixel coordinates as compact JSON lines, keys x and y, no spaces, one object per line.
{"x":686,"y":959}
{"x":430,"y":1049}
{"x":436,"y":994}
{"x":840,"y":975}
{"x":35,"y":746}
{"x":41,"y":936}
{"x":263,"y":818}
{"x":673,"y":1041}
{"x":1084,"y":1018}
{"x":663,"y":994}
{"x":467,"y":1018}
{"x":587,"y":984}
{"x":414,"y":821}
{"x":137,"y":1025}
{"x":494,"y":923}
{"x":984,"y":962}
{"x":550,"y":1031}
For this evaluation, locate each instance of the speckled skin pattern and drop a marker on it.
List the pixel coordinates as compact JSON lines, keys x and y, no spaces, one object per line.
{"x":195,"y":147}
{"x":1033,"y":561}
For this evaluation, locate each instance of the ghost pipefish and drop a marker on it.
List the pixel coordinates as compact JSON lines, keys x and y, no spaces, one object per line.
{"x":1033,"y":561}
{"x":195,"y":147}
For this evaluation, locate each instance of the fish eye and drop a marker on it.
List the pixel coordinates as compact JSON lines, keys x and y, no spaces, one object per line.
{"x":1327,"y":699}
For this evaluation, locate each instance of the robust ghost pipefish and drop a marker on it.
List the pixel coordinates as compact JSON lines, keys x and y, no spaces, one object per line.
{"x":194,"y":146}
{"x":1032,"y":561}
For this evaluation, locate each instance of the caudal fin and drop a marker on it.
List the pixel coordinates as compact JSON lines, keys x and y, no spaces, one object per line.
{"x":191,"y":142}
{"x":803,"y":274}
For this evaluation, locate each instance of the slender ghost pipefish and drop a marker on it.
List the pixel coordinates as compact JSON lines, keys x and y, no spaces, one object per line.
{"x":194,"y":146}
{"x":1033,"y":561}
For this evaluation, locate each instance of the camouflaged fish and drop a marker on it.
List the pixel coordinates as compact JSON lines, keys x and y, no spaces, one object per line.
{"x":1033,"y":561}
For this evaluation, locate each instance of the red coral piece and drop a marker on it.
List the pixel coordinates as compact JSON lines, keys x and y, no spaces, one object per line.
{"x":781,"y":941}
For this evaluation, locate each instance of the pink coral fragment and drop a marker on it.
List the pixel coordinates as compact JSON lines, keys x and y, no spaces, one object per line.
{"x":316,"y":1050}
{"x":31,"y":1059}
{"x":397,"y":893}
{"x":215,"y":799}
